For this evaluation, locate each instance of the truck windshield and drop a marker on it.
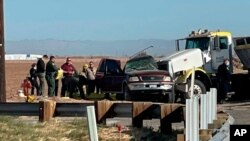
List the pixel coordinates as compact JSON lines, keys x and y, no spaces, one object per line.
{"x":144,"y":63}
{"x":201,"y":43}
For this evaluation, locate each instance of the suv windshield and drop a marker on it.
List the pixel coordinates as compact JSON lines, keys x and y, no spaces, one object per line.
{"x":142,"y":63}
{"x":201,"y":43}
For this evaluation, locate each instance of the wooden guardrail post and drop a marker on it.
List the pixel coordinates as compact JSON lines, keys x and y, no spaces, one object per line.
{"x":138,"y":109}
{"x":103,"y":110}
{"x":46,"y":110}
{"x":170,"y":113}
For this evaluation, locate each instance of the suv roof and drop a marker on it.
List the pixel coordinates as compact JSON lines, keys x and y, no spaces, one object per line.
{"x":137,"y":57}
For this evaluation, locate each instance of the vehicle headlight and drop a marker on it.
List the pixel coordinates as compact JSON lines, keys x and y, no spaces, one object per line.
{"x":167,"y":78}
{"x":133,"y":78}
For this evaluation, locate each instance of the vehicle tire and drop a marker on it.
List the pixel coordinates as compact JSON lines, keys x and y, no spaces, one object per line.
{"x":199,"y":88}
{"x":171,"y":97}
{"x":119,"y":96}
{"x":126,"y":93}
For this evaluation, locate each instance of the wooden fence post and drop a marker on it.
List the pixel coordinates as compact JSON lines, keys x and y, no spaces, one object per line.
{"x":46,"y":110}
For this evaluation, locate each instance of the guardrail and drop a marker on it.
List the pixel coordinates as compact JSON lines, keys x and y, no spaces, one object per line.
{"x":138,"y":111}
{"x":206,"y":110}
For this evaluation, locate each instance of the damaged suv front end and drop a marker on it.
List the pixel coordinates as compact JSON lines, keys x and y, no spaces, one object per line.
{"x":144,"y":80}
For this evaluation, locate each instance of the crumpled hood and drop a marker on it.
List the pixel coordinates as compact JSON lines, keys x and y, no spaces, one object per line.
{"x":148,"y":72}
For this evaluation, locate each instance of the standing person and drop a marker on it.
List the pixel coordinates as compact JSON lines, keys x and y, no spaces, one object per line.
{"x":92,"y":68}
{"x":56,"y":86}
{"x":33,"y":79}
{"x":51,"y":70}
{"x":91,"y":77}
{"x":41,"y":74}
{"x":83,"y":81}
{"x":224,"y":78}
{"x":68,"y":80}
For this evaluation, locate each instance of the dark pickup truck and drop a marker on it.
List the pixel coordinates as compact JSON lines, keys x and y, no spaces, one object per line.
{"x":139,"y":80}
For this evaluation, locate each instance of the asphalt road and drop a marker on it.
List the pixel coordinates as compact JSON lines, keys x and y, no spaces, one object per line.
{"x":240,"y":111}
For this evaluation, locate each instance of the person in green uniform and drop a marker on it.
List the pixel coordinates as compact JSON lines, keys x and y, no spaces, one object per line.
{"x":51,"y":70}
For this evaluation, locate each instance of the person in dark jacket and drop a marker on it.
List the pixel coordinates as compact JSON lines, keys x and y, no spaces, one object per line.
{"x":224,"y":80}
{"x":41,"y":73}
{"x":33,"y":79}
{"x":51,"y":70}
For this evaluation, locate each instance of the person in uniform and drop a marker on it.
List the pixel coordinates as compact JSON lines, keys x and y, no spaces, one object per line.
{"x":51,"y":70}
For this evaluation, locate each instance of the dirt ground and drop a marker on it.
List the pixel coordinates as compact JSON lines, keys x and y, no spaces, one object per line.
{"x":16,"y":72}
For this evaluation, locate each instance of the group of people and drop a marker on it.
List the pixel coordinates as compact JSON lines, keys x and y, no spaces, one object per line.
{"x":72,"y":81}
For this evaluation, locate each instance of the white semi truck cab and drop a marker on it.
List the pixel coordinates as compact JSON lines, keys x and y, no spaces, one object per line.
{"x":204,"y":50}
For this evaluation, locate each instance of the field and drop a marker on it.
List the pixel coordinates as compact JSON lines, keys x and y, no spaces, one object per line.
{"x":16,"y":72}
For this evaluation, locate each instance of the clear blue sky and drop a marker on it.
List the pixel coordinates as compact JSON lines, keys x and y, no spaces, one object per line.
{"x":121,"y":19}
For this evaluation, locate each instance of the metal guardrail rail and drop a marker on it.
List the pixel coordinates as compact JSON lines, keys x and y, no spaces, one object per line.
{"x":19,"y":109}
{"x":32,"y":109}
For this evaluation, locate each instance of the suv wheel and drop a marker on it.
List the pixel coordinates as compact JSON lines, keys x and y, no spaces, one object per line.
{"x":126,"y":93}
{"x":169,"y":98}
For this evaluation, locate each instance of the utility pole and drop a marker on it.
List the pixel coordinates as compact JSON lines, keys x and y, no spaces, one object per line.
{"x":2,"y":56}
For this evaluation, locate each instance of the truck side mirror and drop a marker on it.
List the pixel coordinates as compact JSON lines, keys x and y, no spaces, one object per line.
{"x":217,"y":42}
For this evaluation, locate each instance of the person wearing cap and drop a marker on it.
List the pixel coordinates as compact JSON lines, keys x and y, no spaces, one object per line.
{"x":68,"y":80}
{"x":224,"y":80}
{"x":41,"y":74}
{"x":51,"y":70}
{"x":33,"y":79}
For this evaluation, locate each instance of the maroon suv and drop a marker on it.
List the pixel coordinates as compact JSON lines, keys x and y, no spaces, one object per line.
{"x":139,"y":80}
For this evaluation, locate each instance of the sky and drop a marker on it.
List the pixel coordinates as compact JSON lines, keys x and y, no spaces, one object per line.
{"x":121,"y":19}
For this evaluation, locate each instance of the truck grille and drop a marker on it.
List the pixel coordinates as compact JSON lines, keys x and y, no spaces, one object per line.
{"x":152,"y":78}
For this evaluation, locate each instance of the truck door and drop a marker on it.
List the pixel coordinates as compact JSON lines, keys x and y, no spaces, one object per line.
{"x":115,"y":75}
{"x":221,"y":51}
{"x":109,"y":76}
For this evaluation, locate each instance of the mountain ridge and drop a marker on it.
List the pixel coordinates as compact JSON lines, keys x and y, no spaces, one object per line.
{"x":90,"y":47}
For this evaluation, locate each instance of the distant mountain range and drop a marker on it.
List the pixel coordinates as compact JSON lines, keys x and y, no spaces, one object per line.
{"x":90,"y":47}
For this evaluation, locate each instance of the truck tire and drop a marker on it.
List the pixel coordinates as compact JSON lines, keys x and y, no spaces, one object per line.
{"x":199,"y":88}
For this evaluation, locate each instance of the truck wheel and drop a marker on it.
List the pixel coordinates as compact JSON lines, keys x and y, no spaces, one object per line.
{"x":199,"y":88}
{"x":126,"y":93}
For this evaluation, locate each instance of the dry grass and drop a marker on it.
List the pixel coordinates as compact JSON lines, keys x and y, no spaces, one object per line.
{"x":28,"y":129}
{"x":50,"y":131}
